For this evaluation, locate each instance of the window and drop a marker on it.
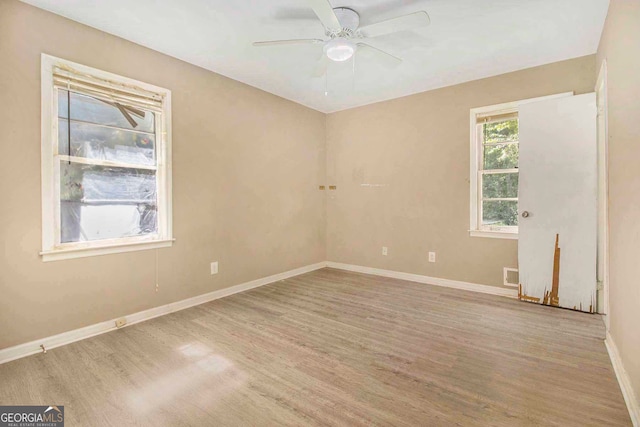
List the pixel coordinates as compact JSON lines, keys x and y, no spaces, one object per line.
{"x":497,"y":171}
{"x":106,"y":175}
{"x":494,"y":169}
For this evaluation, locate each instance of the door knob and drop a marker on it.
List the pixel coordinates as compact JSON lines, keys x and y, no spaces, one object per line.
{"x":525,"y":214}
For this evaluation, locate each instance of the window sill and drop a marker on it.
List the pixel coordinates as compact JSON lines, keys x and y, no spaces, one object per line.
{"x":82,"y":252}
{"x":494,"y":234}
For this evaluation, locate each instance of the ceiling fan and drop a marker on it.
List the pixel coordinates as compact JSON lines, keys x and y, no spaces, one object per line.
{"x":346,"y":37}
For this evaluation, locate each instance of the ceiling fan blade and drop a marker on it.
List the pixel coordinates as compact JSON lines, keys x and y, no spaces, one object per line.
{"x":321,"y":66}
{"x":393,"y":25}
{"x":294,"y":14}
{"x":370,"y":51}
{"x":325,"y":13}
{"x":284,"y":42}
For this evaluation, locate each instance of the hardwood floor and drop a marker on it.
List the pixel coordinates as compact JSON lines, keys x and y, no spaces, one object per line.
{"x":335,"y":348}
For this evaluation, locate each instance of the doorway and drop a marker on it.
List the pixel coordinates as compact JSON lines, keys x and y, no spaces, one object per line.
{"x":602,"y":269}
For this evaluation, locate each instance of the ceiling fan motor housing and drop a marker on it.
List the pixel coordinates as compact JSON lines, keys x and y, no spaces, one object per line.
{"x":349,"y":21}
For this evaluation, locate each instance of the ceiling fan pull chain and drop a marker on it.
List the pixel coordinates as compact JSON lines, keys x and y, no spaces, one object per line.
{"x":326,"y":85}
{"x":353,"y":72}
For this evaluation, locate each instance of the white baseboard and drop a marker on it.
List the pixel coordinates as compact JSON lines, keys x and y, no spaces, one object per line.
{"x":11,"y":353}
{"x":33,"y":347}
{"x":447,"y":283}
{"x":623,"y":379}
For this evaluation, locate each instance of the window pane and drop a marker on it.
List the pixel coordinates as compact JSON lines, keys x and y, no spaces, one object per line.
{"x":63,"y":136}
{"x":98,"y":142}
{"x":98,"y":202}
{"x":88,"y":109}
{"x":499,"y":213}
{"x":500,"y":185}
{"x":504,"y":131}
{"x":62,"y":104}
{"x":500,"y":156}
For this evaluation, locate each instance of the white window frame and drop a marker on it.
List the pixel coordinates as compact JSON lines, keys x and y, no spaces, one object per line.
{"x":475,"y":221}
{"x":52,"y":249}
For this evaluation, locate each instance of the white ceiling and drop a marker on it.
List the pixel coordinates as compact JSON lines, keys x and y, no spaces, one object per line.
{"x":467,"y":40}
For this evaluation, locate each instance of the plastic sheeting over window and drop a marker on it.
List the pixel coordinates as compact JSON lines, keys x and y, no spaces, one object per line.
{"x":104,"y":143}
{"x":108,"y":182}
{"x":98,"y":202}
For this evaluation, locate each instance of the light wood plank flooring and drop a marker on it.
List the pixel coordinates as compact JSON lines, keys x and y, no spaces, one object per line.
{"x":335,"y":348}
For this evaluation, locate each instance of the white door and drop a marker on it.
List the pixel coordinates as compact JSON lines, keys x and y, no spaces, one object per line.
{"x":557,"y":196}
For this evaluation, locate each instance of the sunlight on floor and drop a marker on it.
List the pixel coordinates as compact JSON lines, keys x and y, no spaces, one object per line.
{"x":204,"y":367}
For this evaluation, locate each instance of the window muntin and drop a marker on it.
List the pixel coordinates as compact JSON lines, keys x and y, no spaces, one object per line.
{"x":106,"y":171}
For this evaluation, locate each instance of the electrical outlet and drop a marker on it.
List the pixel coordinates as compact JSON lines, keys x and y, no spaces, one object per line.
{"x":214,"y":268}
{"x":385,"y":251}
{"x":432,"y":257}
{"x":121,"y":322}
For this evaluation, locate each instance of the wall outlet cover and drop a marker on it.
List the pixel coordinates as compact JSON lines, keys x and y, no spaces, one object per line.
{"x":214,"y":268}
{"x":432,"y":257}
{"x":385,"y":251}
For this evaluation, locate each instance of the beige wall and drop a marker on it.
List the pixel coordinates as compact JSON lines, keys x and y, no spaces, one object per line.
{"x":417,"y":149}
{"x":620,"y":46}
{"x":246,"y":169}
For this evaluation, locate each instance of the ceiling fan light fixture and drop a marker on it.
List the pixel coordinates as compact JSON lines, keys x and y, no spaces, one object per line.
{"x":339,"y":49}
